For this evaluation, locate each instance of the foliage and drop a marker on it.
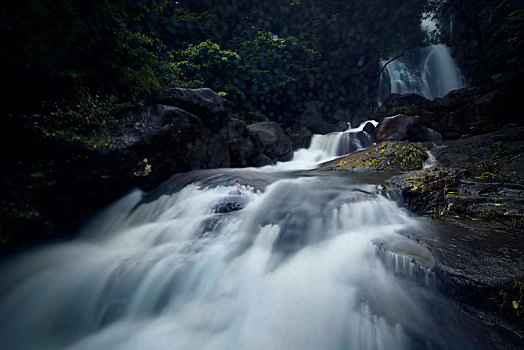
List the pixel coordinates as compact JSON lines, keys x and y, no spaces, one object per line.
{"x":487,"y":38}
{"x":206,"y":64}
{"x":325,"y":50}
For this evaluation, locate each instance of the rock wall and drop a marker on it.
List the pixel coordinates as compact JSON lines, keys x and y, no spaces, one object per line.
{"x":464,"y":112}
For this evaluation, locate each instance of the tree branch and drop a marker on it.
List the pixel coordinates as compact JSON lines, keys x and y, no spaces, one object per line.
{"x":394,"y":58}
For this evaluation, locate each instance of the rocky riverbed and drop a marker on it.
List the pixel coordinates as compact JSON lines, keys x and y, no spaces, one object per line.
{"x":472,"y":192}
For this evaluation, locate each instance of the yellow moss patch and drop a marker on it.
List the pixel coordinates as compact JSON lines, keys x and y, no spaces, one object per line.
{"x":386,"y":156}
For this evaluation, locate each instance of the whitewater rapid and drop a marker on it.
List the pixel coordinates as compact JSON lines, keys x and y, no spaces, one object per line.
{"x":236,"y":259}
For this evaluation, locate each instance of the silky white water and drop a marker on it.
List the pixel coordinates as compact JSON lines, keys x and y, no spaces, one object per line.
{"x":327,"y":147}
{"x":231,"y":259}
{"x":430,"y":72}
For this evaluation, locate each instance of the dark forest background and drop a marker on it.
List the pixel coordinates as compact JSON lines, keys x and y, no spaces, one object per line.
{"x":265,"y":57}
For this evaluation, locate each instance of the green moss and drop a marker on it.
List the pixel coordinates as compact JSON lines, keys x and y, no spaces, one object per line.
{"x":509,"y":301}
{"x":516,"y":223}
{"x":386,"y":156}
{"x":18,"y":209}
{"x":486,"y":166}
{"x":486,"y":214}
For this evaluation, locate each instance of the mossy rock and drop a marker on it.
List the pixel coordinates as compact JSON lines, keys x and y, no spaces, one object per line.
{"x":386,"y":156}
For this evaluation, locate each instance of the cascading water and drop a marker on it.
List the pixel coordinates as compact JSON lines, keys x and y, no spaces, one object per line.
{"x":430,"y":72}
{"x":236,"y":259}
{"x":327,"y":147}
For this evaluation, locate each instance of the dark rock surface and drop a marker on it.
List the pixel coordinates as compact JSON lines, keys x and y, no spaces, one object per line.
{"x":201,"y":102}
{"x":369,"y":128}
{"x":396,"y":128}
{"x":313,"y":119}
{"x":391,"y":156}
{"x":229,"y":204}
{"x":475,"y":197}
{"x":481,"y":267}
{"x":403,"y":127}
{"x":171,"y":139}
{"x":258,"y":144}
{"x":241,"y":147}
{"x":468,"y":111}
{"x":478,"y":178}
{"x":301,"y":138}
{"x":271,"y":140}
{"x":174,"y":131}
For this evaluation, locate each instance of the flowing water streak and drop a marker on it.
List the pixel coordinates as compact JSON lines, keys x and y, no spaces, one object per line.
{"x":429,"y":71}
{"x":231,"y":259}
{"x":327,"y":147}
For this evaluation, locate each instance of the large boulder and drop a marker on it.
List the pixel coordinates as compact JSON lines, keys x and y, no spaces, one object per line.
{"x":301,"y":138}
{"x":369,"y":128}
{"x":389,"y":156}
{"x":258,"y":144}
{"x":313,"y":119}
{"x":241,"y":147}
{"x":271,"y":140}
{"x":403,"y":127}
{"x":203,"y":102}
{"x":170,"y":138}
{"x":343,"y":115}
{"x":173,"y":131}
{"x":411,"y":104}
{"x":396,"y":128}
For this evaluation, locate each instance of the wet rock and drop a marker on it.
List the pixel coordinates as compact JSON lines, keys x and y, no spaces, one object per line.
{"x":211,"y":226}
{"x":386,"y":156}
{"x":396,"y":128}
{"x":424,"y":191}
{"x":201,"y":102}
{"x":403,"y":127}
{"x":410,"y":104}
{"x":314,"y":120}
{"x":462,"y":191}
{"x":369,"y":128}
{"x":342,"y":115}
{"x":474,"y":110}
{"x":498,"y":154}
{"x":241,"y":146}
{"x":261,"y":160}
{"x":475,"y":200}
{"x":271,"y":140}
{"x":301,"y":138}
{"x":480,"y":266}
{"x":408,"y":258}
{"x":229,"y":204}
{"x":173,"y":140}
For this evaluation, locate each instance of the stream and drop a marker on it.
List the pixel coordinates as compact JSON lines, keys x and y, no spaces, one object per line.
{"x":279,"y":257}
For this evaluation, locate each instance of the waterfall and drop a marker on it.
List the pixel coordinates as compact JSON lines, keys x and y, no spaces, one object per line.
{"x":238,"y":259}
{"x":430,"y":72}
{"x":330,"y":146}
